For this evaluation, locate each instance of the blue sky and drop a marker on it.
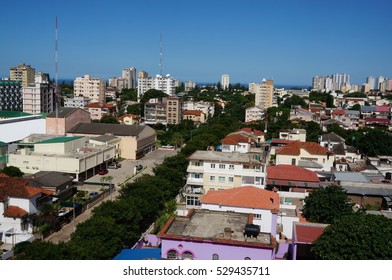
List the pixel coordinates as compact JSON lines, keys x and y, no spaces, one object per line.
{"x":289,"y":41}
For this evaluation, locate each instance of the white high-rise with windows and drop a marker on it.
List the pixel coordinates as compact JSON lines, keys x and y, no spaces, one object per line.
{"x":371,"y":81}
{"x":167,"y":84}
{"x":225,"y":81}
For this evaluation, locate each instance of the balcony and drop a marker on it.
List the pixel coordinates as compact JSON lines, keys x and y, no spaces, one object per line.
{"x":190,"y":189}
{"x":194,"y":181}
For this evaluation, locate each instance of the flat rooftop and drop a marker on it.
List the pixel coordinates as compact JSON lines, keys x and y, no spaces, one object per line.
{"x":210,"y":225}
{"x":215,"y":156}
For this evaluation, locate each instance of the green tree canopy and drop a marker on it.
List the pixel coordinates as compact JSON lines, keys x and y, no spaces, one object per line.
{"x":325,"y":204}
{"x":152,"y":93}
{"x":134,"y":109}
{"x":294,"y":100}
{"x":12,"y":171}
{"x":375,"y":142}
{"x":108,"y":119}
{"x":356,"y":237}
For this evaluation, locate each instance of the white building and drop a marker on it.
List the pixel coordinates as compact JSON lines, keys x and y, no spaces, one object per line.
{"x":263,"y":204}
{"x":77,"y":102}
{"x":225,"y":81}
{"x":164,"y":83}
{"x":74,"y":155}
{"x":212,"y":170}
{"x":16,"y":128}
{"x":39,"y":98}
{"x":17,"y":202}
{"x":189,"y":85}
{"x":208,"y":108}
{"x":92,"y":88}
{"x":295,"y":134}
{"x":253,"y":114}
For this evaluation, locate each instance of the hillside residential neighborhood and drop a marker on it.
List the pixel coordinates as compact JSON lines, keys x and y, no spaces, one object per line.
{"x":181,"y":171}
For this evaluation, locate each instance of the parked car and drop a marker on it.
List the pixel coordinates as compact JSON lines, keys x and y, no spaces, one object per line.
{"x":103,"y":171}
{"x":114,"y":165}
{"x":93,"y":194}
{"x":62,"y":212}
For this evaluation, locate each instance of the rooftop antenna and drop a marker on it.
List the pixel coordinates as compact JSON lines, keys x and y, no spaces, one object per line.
{"x":161,"y":57}
{"x":56,"y":93}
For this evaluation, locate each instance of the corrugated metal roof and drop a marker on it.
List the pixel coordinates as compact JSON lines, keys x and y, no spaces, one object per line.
{"x":351,"y":177}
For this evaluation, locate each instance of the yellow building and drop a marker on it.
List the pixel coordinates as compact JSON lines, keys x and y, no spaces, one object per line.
{"x":23,"y":73}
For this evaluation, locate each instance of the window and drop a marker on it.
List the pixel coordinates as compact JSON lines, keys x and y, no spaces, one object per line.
{"x":192,"y":201}
{"x":257,"y":216}
{"x":259,"y":180}
{"x":172,"y":255}
{"x":231,"y":179}
{"x":222,"y":166}
{"x":187,"y":255}
{"x":212,"y":165}
{"x":293,"y":161}
{"x":231,"y":166}
{"x":212,"y":178}
{"x":221,"y":179}
{"x":215,"y":257}
{"x":198,"y":163}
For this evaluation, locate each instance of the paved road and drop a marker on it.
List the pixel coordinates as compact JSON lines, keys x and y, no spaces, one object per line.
{"x":119,"y":176}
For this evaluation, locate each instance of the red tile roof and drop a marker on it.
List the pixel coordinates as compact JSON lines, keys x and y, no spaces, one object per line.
{"x":248,"y":196}
{"x":3,"y":175}
{"x":234,"y":139}
{"x":338,"y":112}
{"x":281,"y":141}
{"x":291,"y":173}
{"x":100,"y":105}
{"x":132,"y":116}
{"x":377,"y":120}
{"x":17,"y":187}
{"x":294,"y":148}
{"x":250,"y":130}
{"x":192,"y":113}
{"x":14,"y":212}
{"x":307,"y":232}
{"x":383,"y":108}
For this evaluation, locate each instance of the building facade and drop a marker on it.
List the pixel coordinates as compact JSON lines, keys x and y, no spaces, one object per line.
{"x":173,"y":110}
{"x":61,"y":121}
{"x":225,"y":81}
{"x":92,"y":88}
{"x":99,"y":109}
{"x":253,"y":113}
{"x":212,"y":170}
{"x":39,"y":98}
{"x":264,"y":94}
{"x":11,"y":98}
{"x":23,"y":73}
{"x":164,"y":83}
{"x":77,"y":102}
{"x":129,"y":75}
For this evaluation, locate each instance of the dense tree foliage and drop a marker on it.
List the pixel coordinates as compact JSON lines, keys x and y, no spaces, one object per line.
{"x":356,"y":237}
{"x":374,"y":142}
{"x":12,"y":171}
{"x":294,"y":100}
{"x":325,"y":204}
{"x":108,"y":119}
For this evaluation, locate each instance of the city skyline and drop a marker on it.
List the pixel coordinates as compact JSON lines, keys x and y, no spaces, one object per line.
{"x":287,"y":41}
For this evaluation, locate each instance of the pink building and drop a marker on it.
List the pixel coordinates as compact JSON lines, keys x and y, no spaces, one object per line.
{"x":215,"y":235}
{"x":61,"y":122}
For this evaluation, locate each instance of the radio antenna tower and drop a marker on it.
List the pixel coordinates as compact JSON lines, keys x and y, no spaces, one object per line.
{"x":161,"y":57}
{"x":56,"y":71}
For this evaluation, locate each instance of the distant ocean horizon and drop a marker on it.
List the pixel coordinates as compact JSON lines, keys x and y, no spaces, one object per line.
{"x":70,"y":81}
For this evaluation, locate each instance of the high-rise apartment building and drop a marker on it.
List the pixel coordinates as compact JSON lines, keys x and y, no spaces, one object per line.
{"x":225,"y":81}
{"x":173,"y":110}
{"x":318,"y":83}
{"x":39,"y":98}
{"x":92,"y":88}
{"x":264,"y":95}
{"x":163,"y":83}
{"x":11,"y":95}
{"x":371,"y":81}
{"x":340,"y":80}
{"x":379,"y":81}
{"x":23,"y":73}
{"x":129,"y":74}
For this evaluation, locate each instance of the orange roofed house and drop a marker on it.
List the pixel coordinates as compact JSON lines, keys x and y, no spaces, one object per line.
{"x":309,"y":155}
{"x":197,"y":116}
{"x":18,"y":202}
{"x":263,"y":204}
{"x":100,"y":109}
